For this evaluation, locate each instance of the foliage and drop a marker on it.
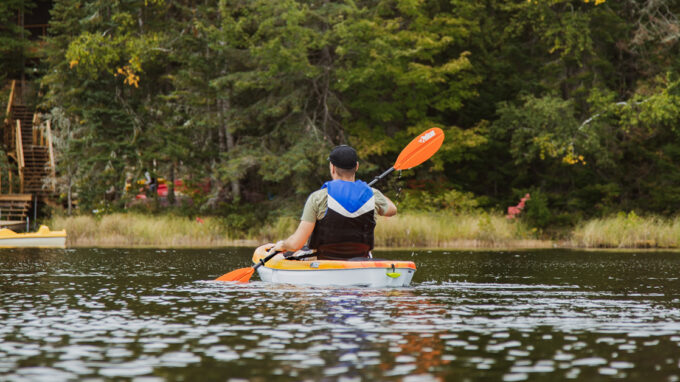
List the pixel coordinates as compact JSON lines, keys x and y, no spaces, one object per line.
{"x":451,"y":201}
{"x":576,"y":100}
{"x":537,"y":213}
{"x":14,"y":42}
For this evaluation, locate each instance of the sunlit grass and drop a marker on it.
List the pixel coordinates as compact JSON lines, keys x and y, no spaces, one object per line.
{"x":628,"y":231}
{"x":433,"y":230}
{"x":142,"y":230}
{"x":403,"y":230}
{"x":447,"y":230}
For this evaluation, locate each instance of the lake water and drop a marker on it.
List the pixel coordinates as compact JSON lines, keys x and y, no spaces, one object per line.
{"x":146,"y":315}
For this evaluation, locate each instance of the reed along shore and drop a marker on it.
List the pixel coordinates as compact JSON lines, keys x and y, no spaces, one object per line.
{"x":407,"y":230}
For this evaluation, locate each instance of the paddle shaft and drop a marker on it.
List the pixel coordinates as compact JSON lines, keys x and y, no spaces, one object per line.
{"x":379,"y":177}
{"x":262,"y":261}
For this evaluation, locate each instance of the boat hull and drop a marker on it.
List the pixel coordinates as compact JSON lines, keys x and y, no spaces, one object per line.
{"x":45,"y":242}
{"x":43,"y":238}
{"x":370,"y":273}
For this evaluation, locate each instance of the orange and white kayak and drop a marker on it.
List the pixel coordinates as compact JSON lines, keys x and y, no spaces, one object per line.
{"x":375,"y":273}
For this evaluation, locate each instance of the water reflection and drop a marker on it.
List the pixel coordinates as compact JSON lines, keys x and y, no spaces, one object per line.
{"x":120,"y":314}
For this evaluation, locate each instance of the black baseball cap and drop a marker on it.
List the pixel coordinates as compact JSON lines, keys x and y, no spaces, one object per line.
{"x":344,"y":157}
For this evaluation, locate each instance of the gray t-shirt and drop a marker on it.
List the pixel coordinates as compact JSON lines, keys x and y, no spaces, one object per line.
{"x":317,"y":203}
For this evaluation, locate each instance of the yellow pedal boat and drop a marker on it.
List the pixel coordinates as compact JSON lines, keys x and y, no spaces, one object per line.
{"x":43,"y":238}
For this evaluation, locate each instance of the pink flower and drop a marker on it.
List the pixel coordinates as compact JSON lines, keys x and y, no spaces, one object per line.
{"x":513,"y":211}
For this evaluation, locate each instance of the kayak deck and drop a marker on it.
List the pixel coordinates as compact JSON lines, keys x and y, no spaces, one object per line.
{"x":369,"y":272}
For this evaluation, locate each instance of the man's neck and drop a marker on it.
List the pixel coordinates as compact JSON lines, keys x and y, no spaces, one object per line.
{"x":352,"y":179}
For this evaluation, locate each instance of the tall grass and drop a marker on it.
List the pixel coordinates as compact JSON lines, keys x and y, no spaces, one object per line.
{"x":628,"y":231}
{"x":403,"y":230}
{"x":448,"y":230}
{"x":142,"y":230}
{"x":434,"y":230}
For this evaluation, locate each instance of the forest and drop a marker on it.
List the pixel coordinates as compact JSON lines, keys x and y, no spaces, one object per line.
{"x":576,"y":102}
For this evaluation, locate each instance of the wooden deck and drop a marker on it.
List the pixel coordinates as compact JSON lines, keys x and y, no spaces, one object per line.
{"x":14,"y":225}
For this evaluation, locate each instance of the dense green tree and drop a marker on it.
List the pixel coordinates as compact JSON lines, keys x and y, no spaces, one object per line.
{"x":14,"y":39}
{"x":575,"y":100}
{"x":105,"y":74}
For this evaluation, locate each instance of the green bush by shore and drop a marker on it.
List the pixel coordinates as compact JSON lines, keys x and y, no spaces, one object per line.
{"x":430,"y":230}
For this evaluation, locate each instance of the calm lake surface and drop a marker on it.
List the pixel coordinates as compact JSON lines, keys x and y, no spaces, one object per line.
{"x":146,"y":315}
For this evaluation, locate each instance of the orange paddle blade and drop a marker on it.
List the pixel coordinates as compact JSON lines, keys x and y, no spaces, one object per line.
{"x":420,"y":149}
{"x":240,"y":275}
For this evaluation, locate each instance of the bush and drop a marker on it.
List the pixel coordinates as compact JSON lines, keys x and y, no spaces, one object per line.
{"x":537,"y":213}
{"x":451,"y":201}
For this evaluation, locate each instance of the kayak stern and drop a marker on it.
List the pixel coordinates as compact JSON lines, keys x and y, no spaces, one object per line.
{"x":369,"y":273}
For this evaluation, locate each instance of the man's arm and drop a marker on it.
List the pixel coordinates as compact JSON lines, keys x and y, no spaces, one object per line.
{"x":391,"y":208}
{"x":304,"y":230}
{"x":297,"y":239}
{"x":384,"y":204}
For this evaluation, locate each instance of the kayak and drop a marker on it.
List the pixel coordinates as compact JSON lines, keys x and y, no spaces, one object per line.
{"x":375,"y":273}
{"x":43,"y":238}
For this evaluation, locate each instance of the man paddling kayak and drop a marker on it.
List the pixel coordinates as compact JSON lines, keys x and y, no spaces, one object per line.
{"x":340,"y":217}
{"x":337,"y":221}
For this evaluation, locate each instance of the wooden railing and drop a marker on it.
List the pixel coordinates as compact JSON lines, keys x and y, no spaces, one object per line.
{"x":37,"y":135}
{"x":8,"y":114}
{"x":50,"y":148}
{"x":42,"y":136}
{"x":40,"y":28}
{"x":20,"y":156}
{"x":7,"y":123}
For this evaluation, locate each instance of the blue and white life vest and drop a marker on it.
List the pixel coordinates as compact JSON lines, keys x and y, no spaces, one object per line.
{"x":346,"y":230}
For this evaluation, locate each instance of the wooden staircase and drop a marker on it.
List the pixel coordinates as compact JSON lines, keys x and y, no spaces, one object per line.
{"x":36,"y":156}
{"x":28,"y":144}
{"x":14,"y":209}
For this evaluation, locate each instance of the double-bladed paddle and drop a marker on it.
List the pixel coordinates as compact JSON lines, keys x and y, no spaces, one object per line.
{"x":242,"y":275}
{"x":418,"y":151}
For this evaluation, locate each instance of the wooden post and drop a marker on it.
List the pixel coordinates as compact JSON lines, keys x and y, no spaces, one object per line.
{"x":8,"y":115}
{"x":20,"y":157}
{"x":50,"y":150}
{"x":35,"y":210}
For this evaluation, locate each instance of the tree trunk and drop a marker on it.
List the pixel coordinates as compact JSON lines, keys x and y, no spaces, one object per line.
{"x":226,"y":142}
{"x":171,"y":185}
{"x":69,"y":197}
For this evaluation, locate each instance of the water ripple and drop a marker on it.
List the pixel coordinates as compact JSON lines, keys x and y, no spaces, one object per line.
{"x":132,"y":314}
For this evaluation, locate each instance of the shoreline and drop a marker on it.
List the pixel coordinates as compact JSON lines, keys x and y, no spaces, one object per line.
{"x":472,"y":246}
{"x":472,"y":231}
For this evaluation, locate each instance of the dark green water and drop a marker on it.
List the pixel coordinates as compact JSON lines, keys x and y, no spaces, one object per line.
{"x":146,"y":315}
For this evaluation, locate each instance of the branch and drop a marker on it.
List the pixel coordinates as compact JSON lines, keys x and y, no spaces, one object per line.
{"x":587,"y":121}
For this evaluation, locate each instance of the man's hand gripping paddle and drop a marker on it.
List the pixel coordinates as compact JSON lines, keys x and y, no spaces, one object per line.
{"x":418,"y":151}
